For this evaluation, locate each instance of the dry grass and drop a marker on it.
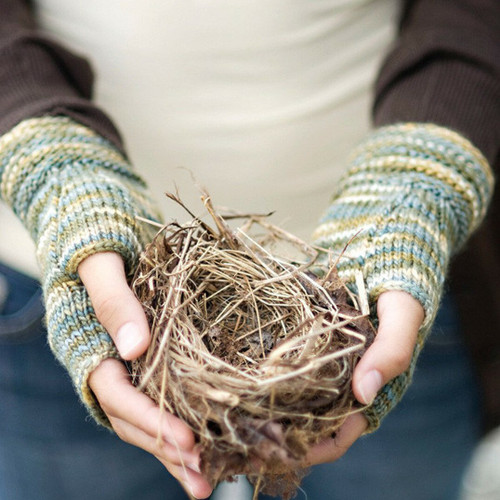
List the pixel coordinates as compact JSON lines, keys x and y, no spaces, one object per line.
{"x":252,"y":350}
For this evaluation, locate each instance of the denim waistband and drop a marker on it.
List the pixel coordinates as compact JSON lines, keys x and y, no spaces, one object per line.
{"x":21,"y":306}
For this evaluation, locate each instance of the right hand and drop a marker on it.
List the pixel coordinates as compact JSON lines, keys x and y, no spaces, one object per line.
{"x":400,"y":317}
{"x":135,"y":417}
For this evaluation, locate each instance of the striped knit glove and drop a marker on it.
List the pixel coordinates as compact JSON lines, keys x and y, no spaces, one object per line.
{"x":411,"y":196}
{"x":77,"y":195}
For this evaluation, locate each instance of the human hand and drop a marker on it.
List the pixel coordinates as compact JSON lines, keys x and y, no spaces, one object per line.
{"x":400,"y":317}
{"x":134,"y":417}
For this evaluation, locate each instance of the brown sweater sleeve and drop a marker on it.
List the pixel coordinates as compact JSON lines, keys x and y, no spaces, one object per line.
{"x":445,"y":68}
{"x":39,"y":77}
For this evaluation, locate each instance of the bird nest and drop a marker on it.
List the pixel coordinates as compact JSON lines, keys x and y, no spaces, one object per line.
{"x":253,"y":351}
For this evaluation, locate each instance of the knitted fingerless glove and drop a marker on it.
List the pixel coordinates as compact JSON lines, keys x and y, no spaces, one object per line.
{"x":411,"y":196}
{"x":77,"y":195}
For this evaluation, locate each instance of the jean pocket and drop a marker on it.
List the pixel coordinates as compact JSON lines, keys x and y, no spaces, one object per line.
{"x":22,"y":312}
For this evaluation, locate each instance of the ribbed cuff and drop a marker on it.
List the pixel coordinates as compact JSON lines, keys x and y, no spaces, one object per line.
{"x":54,"y":169}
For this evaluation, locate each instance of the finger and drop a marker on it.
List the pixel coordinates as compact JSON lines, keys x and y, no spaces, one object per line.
{"x":157,"y":447}
{"x":192,"y":481}
{"x":332,"y":449}
{"x":119,"y":399}
{"x":400,"y":317}
{"x":115,"y":305}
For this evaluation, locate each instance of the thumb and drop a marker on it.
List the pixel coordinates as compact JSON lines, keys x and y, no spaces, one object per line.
{"x":115,"y":305}
{"x":400,"y":317}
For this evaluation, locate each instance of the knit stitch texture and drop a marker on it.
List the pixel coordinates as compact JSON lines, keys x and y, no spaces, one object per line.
{"x":411,"y":196}
{"x":77,"y":195}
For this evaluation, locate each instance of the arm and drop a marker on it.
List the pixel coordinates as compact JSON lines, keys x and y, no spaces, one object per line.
{"x":473,"y":73}
{"x":438,"y":90}
{"x":445,"y":69}
{"x":64,"y":173}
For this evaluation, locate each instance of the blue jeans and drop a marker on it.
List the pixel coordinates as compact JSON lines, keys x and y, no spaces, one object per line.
{"x":49,"y":450}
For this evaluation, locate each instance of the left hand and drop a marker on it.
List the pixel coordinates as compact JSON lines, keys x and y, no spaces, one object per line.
{"x":400,"y":317}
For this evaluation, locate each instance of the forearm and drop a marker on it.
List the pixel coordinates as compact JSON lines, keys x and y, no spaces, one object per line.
{"x":77,"y":195}
{"x":410,"y":198}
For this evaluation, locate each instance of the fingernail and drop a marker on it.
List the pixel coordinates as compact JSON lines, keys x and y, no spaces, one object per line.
{"x":194,"y":467}
{"x":370,"y":384}
{"x":127,"y":339}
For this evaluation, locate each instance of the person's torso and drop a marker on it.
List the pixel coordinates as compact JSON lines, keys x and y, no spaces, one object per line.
{"x":259,"y":101}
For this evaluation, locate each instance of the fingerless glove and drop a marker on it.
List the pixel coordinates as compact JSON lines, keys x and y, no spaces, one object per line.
{"x":77,"y":195}
{"x":411,"y":196}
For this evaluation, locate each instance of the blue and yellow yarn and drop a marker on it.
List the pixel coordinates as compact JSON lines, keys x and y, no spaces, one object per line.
{"x":411,"y":196}
{"x":77,"y":195}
